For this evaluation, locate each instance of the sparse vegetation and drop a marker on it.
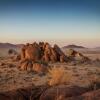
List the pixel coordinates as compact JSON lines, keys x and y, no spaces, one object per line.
{"x":50,"y":74}
{"x":58,"y":76}
{"x":12,"y":51}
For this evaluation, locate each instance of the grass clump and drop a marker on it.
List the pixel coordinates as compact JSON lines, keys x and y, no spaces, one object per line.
{"x":58,"y":75}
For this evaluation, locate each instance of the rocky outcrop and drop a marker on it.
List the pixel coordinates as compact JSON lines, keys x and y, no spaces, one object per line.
{"x":44,"y":53}
{"x":33,"y":56}
{"x":72,"y":54}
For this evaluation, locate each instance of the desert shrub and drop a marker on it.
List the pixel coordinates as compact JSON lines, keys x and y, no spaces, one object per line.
{"x":58,"y":75}
{"x":12,"y":51}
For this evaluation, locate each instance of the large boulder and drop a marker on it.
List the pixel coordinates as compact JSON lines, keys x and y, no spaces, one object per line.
{"x":30,"y":65}
{"x":32,"y":52}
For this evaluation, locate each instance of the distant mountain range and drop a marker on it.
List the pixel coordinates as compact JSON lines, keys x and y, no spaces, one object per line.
{"x":9,"y":45}
{"x":97,"y":48}
{"x":73,"y":46}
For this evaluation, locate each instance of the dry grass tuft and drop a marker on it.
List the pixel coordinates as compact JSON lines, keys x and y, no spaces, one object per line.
{"x":58,"y":75}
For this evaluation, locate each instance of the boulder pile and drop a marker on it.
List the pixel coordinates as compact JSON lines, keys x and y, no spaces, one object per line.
{"x":72,"y":54}
{"x":35,"y":56}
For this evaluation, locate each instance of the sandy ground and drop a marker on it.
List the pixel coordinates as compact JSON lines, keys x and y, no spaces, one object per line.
{"x":11,"y":77}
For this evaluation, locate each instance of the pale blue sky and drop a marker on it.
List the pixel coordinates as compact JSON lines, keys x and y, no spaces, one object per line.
{"x":66,"y":21}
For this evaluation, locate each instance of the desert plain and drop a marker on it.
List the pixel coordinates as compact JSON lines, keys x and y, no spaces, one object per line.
{"x":59,"y":75}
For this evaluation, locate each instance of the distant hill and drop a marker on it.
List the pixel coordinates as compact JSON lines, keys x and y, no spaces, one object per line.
{"x":9,"y":45}
{"x":73,"y":46}
{"x":97,"y":48}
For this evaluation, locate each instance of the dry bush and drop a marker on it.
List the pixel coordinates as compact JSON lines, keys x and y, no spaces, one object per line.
{"x":58,"y":75}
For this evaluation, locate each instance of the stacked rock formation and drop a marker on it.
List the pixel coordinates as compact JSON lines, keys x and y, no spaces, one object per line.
{"x":79,"y":56}
{"x":33,"y":56}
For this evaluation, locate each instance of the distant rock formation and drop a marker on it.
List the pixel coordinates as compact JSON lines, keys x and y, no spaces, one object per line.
{"x":73,"y":46}
{"x":77,"y":55}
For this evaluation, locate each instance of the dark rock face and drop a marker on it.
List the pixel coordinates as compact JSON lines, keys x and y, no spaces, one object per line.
{"x":51,"y":93}
{"x":29,"y":93}
{"x":37,"y":91}
{"x":62,"y":92}
{"x":20,"y":94}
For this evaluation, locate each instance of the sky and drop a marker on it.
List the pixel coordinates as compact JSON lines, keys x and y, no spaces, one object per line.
{"x":57,"y":21}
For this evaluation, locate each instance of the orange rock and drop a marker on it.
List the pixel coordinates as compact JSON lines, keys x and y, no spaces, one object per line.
{"x":40,"y":52}
{"x":39,"y":68}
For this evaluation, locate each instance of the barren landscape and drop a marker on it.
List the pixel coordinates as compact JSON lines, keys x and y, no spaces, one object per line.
{"x":49,"y":49}
{"x":73,"y":72}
